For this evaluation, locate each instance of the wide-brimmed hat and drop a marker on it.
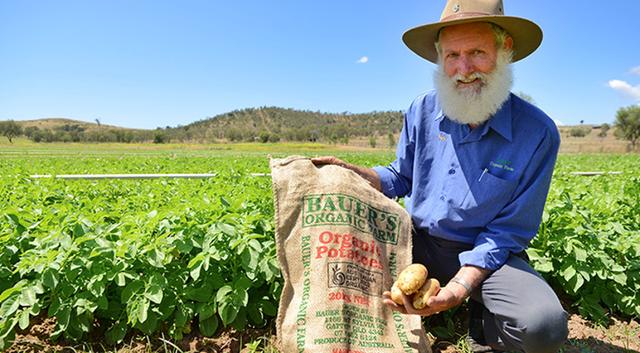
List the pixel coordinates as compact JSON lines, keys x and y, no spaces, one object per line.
{"x":526,"y":35}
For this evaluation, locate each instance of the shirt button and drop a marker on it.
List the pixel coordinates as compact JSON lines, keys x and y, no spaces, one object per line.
{"x":452,"y":171}
{"x":441,"y":198}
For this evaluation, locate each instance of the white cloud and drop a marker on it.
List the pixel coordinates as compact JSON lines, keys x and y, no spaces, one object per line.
{"x":635,"y":70}
{"x":626,"y":88}
{"x":363,"y":60}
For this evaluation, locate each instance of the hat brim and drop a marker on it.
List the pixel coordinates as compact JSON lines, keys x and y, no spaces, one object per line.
{"x":526,"y":35}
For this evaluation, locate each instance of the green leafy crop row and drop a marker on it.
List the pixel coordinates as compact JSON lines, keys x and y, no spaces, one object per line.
{"x":589,"y":241}
{"x":150,"y":255}
{"x":117,"y":256}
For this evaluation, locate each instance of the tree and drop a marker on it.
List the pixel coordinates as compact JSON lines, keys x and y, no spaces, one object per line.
{"x":30,"y":131}
{"x":264,"y":136}
{"x":372,"y":141}
{"x":604,"y":129}
{"x":628,"y":124}
{"x":578,"y":131}
{"x":274,"y":138}
{"x":234,"y":134}
{"x":391,"y":140}
{"x":10,"y":129}
{"x":160,"y":137}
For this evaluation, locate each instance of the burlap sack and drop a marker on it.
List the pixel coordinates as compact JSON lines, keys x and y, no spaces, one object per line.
{"x":340,"y":244}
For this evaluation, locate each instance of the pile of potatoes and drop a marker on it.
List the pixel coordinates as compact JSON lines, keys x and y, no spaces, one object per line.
{"x":413,"y":281}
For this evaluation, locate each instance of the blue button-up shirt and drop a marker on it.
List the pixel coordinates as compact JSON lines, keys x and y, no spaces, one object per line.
{"x":485,"y":186}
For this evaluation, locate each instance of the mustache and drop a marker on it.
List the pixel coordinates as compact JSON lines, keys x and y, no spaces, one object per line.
{"x":457,"y":78}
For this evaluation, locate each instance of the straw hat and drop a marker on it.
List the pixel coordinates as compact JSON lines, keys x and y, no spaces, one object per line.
{"x":526,"y":35}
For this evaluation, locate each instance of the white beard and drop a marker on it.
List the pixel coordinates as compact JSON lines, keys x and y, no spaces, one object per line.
{"x":475,"y":105}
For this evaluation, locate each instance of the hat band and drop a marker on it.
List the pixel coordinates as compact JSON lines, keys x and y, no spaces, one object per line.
{"x":465,"y":15}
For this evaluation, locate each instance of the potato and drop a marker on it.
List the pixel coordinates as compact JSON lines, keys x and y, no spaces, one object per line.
{"x":430,"y":287}
{"x":396,"y":294}
{"x":412,"y":278}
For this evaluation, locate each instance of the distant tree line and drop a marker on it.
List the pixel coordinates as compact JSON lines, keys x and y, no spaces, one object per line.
{"x":73,"y":133}
{"x":76,"y":133}
{"x":266,"y":124}
{"x":273,"y":124}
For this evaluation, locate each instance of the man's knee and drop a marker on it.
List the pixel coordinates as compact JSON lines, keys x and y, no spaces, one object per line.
{"x":546,"y":330}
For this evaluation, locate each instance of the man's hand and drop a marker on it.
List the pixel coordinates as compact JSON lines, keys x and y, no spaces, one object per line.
{"x":447,"y":298}
{"x":325,"y":160}
{"x":318,"y":161}
{"x":368,"y":174}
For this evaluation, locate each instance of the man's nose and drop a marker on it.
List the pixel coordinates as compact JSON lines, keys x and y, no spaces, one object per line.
{"x":465,"y":66}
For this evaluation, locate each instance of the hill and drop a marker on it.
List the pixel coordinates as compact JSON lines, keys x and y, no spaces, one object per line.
{"x":69,"y":130}
{"x":275,"y":124}
{"x":66,"y":124}
{"x":272,"y":124}
{"x":265,"y":124}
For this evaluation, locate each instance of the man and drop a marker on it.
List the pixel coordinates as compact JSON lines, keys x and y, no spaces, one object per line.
{"x":475,"y":163}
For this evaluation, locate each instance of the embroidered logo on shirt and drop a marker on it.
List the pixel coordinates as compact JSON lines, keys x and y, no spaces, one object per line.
{"x":502,"y":164}
{"x":442,"y":137}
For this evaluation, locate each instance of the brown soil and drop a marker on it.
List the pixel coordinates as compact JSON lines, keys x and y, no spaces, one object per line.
{"x":37,"y":340}
{"x":618,"y":337}
{"x":584,"y":337}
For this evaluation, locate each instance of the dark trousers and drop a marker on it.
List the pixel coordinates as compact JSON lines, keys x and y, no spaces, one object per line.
{"x":521,"y":312}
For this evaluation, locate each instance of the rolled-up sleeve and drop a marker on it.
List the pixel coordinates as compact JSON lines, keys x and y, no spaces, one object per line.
{"x":518,"y":222}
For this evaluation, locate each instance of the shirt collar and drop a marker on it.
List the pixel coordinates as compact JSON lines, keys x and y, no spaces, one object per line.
{"x":501,"y":121}
{"x":440,"y":114}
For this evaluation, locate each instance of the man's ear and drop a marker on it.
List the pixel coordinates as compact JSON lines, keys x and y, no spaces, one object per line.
{"x":508,"y":43}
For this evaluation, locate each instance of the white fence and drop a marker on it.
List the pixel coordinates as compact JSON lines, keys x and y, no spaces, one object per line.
{"x":133,"y":176}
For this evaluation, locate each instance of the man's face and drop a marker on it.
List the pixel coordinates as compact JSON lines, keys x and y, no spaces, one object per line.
{"x":468,"y":49}
{"x":474,"y":77}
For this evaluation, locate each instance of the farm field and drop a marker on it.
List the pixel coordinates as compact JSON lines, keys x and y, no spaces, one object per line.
{"x":179,"y":260}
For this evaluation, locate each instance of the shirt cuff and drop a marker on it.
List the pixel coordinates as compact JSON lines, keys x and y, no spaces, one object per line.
{"x":386,"y":181}
{"x":483,"y":257}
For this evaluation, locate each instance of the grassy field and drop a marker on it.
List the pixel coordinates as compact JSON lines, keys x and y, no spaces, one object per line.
{"x":588,"y":248}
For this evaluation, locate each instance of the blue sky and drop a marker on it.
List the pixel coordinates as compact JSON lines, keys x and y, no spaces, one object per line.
{"x":149,"y":63}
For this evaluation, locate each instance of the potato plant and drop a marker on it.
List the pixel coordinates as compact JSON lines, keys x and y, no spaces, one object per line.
{"x":144,"y":255}
{"x":589,"y":242}
{"x":178,"y":255}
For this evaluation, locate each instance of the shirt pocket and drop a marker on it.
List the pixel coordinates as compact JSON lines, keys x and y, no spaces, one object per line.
{"x":485,"y":198}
